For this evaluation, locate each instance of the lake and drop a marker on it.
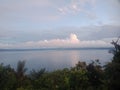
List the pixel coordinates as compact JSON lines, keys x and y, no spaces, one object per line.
{"x":53,"y":59}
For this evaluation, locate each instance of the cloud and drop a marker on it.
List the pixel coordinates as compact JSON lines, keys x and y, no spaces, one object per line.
{"x":93,"y":32}
{"x":70,"y":42}
{"x":79,"y":6}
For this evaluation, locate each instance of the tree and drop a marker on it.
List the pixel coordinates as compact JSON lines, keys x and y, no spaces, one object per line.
{"x":95,"y":74}
{"x":7,"y":78}
{"x":113,"y":68}
{"x":21,"y":69}
{"x":36,"y":74}
{"x":78,"y":77}
{"x":20,"y":73}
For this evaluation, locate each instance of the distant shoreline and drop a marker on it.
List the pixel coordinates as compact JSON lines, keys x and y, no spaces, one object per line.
{"x":45,"y":49}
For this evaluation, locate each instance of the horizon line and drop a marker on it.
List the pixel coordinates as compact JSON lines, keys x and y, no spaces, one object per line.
{"x":65,"y":48}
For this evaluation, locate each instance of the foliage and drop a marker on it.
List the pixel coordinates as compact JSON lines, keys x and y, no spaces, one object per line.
{"x":95,"y":74}
{"x":113,"y":68}
{"x":7,"y":77}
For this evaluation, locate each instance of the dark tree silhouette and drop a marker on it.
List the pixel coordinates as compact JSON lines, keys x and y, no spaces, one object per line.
{"x":20,"y":73}
{"x":21,"y":69}
{"x":113,"y":68}
{"x":95,"y":74}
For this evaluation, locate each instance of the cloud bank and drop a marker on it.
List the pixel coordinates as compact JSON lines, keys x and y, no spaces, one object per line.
{"x":71,"y":42}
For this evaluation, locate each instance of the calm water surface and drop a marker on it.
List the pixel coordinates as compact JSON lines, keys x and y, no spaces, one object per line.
{"x":53,"y":59}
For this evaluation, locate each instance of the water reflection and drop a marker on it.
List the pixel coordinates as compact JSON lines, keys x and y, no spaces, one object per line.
{"x":75,"y":57}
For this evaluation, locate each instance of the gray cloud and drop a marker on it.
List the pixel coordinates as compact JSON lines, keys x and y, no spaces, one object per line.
{"x":83,"y":33}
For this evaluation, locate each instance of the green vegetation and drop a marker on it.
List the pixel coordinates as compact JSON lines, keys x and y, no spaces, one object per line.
{"x":83,"y":76}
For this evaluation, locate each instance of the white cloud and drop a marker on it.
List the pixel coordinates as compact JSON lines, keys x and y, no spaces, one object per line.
{"x":72,"y":41}
{"x":79,"y":6}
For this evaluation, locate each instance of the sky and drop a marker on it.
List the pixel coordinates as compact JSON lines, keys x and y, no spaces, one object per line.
{"x":58,"y":23}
